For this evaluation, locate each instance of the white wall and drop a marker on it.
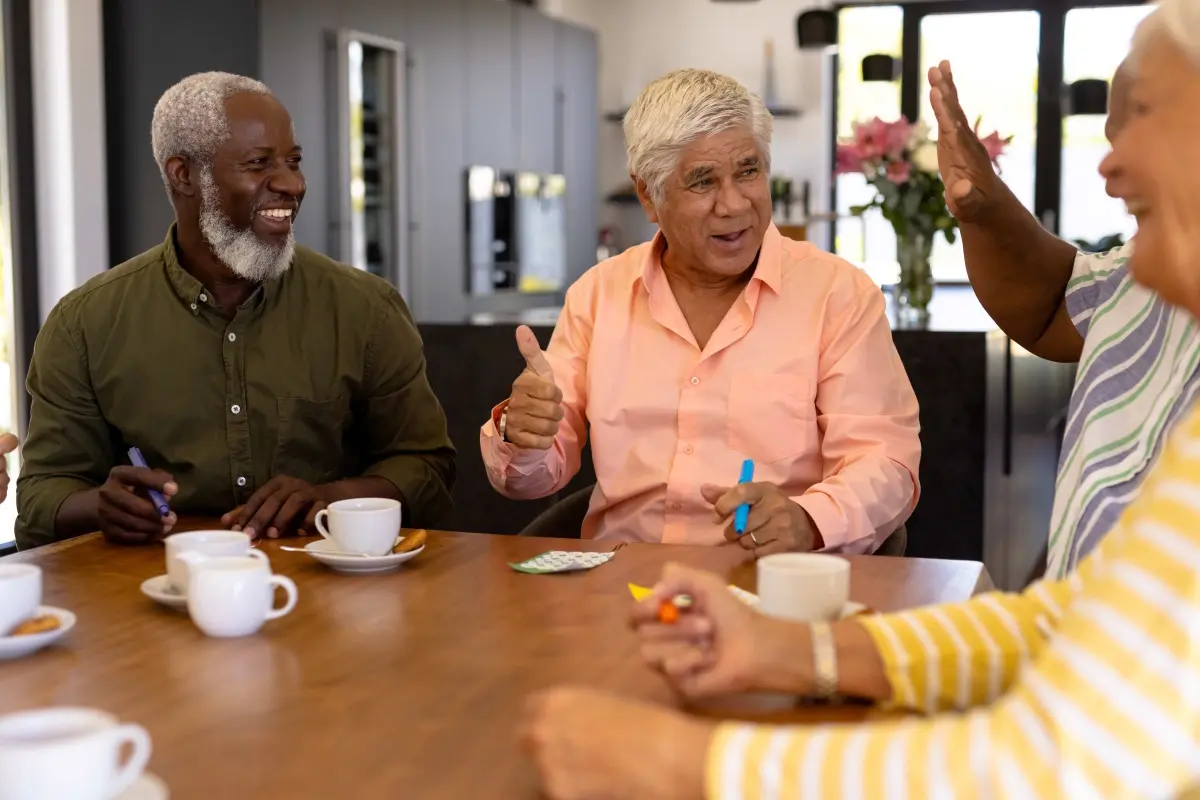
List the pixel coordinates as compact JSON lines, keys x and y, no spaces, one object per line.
{"x":642,"y":39}
{"x":70,"y":157}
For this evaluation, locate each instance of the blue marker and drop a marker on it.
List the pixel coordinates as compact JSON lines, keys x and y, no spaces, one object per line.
{"x":743,"y":511}
{"x":160,"y":502}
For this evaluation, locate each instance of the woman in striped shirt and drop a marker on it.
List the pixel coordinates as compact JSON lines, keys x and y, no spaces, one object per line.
{"x":1088,"y":687}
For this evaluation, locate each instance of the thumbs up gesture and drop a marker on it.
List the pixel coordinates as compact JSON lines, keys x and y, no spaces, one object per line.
{"x":535,"y":406}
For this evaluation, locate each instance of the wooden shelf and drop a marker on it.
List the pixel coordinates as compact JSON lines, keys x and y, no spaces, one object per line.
{"x":622,"y":199}
{"x":778,"y":112}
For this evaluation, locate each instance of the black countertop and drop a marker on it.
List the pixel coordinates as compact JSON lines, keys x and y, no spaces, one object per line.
{"x":954,"y":309}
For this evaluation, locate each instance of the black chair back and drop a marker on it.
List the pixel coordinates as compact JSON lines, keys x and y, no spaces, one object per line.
{"x":564,"y":519}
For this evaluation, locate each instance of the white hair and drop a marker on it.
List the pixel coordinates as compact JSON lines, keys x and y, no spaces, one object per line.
{"x":1178,"y":20}
{"x":190,"y":118}
{"x":679,"y":108}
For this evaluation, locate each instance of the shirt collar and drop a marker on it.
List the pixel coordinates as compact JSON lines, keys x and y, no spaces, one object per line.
{"x":192,"y":292}
{"x":769,"y":270}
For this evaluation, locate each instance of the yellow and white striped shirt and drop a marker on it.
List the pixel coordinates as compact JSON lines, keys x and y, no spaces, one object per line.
{"x":1083,"y":688}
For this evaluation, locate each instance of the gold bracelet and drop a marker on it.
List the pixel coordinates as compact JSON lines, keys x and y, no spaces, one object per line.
{"x":825,"y":674}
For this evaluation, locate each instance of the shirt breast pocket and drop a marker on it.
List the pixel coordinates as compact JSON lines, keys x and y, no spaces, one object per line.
{"x":310,"y":438}
{"x":771,"y":416}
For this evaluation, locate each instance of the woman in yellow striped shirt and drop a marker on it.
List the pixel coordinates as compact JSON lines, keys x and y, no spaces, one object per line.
{"x":1083,"y":688}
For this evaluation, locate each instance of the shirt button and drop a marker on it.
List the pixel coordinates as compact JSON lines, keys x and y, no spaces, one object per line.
{"x":687,"y":449}
{"x":233,"y":337}
{"x":241,"y":481}
{"x":193,"y":306}
{"x":236,"y":409}
{"x":695,"y":381}
{"x":203,"y":298}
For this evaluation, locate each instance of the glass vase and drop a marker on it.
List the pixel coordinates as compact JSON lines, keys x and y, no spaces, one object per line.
{"x":915,"y":288}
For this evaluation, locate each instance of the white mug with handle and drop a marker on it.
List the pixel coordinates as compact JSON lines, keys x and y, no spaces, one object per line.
{"x":234,"y":596}
{"x":213,"y":544}
{"x":366,"y":526}
{"x":69,"y":754}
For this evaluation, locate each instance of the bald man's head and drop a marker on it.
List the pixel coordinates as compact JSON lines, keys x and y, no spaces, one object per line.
{"x":1118,"y":100}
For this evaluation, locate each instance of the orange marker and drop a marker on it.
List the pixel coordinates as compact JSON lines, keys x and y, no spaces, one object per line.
{"x":668,"y":610}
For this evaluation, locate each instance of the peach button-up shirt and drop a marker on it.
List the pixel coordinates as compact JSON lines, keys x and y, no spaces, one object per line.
{"x":801,"y":376}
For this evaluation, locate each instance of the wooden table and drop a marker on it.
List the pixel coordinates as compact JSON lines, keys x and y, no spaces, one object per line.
{"x":408,"y":684}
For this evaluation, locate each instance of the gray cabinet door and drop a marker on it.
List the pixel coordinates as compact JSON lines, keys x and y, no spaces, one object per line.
{"x":437,"y":105}
{"x":538,"y":120}
{"x":491,"y":85}
{"x":578,"y":78}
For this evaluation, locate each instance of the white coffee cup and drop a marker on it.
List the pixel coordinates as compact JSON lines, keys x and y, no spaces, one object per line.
{"x":69,"y":754}
{"x":367,"y":525}
{"x":215,"y":544}
{"x":20,"y":594}
{"x":803,"y":587}
{"x":234,"y":596}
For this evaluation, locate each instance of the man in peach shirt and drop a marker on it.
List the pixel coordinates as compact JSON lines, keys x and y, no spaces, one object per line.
{"x":717,"y":341}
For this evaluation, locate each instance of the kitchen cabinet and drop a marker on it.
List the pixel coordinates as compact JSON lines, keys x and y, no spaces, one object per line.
{"x":491,"y":84}
{"x":539,"y":130}
{"x":578,"y":72}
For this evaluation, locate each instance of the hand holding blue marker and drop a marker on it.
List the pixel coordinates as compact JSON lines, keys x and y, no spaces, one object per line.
{"x":743,"y":511}
{"x":160,"y":502}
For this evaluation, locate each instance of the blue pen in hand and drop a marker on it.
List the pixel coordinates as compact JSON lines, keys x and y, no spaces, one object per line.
{"x":160,"y":502}
{"x":743,"y":511}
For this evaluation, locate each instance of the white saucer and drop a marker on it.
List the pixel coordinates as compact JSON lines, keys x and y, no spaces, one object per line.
{"x":159,"y":590}
{"x":147,"y":787}
{"x":751,"y":599}
{"x":17,"y":646}
{"x":327,"y":553}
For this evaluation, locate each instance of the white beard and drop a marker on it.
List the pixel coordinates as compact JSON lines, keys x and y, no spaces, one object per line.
{"x":243,"y":252}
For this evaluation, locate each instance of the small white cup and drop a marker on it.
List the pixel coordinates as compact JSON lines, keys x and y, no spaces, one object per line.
{"x":214,"y":544}
{"x":20,"y":594}
{"x":234,"y":596}
{"x":803,"y":587}
{"x":69,"y":754}
{"x":368,"y":525}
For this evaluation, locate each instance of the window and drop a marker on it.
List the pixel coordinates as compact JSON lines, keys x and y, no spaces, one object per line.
{"x":868,"y":242}
{"x":1095,"y":41}
{"x":1009,"y":58}
{"x":11,"y":366}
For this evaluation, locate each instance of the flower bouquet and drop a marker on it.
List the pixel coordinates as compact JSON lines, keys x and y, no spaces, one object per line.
{"x":900,"y":161}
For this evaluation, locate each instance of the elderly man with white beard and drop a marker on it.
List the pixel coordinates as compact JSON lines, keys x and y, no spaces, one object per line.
{"x":260,"y":380}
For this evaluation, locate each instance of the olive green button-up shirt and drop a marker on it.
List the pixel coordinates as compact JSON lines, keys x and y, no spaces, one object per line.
{"x":320,"y":375}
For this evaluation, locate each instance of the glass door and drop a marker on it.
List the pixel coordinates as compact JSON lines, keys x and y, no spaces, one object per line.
{"x":1013,"y":61}
{"x":995,"y":60}
{"x":862,"y":31}
{"x":1095,"y":41}
{"x":11,"y":364}
{"x":370,"y":230}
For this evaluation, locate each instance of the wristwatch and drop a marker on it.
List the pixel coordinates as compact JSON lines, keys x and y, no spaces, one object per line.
{"x":502,"y":425}
{"x":825,"y":674}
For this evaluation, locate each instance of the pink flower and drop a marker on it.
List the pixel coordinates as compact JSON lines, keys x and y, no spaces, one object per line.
{"x":877,"y":140}
{"x":871,"y":139}
{"x":994,"y":145}
{"x":899,"y":171}
{"x":849,"y":159}
{"x":896,"y":135}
